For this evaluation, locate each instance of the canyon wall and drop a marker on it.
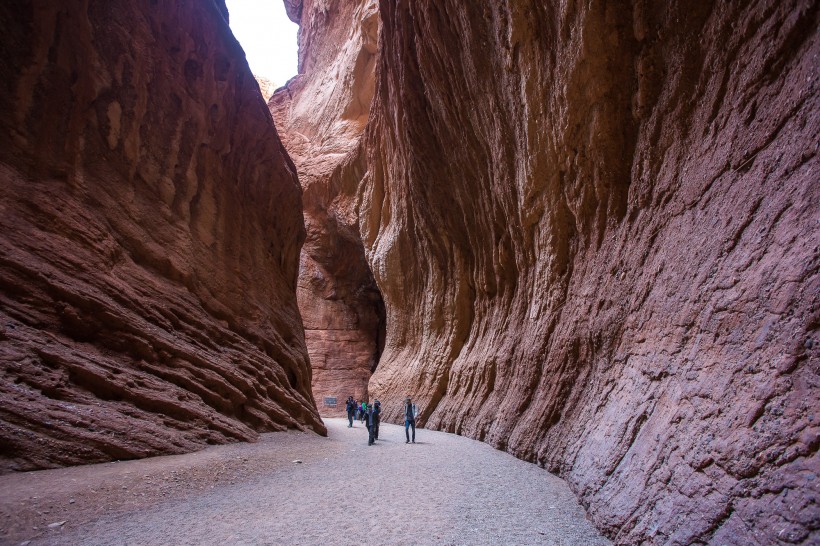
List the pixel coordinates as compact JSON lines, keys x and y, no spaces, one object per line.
{"x":595,"y":229}
{"x":321,"y":114}
{"x":149,"y":238}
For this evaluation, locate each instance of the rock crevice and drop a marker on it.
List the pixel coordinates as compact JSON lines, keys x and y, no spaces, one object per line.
{"x":321,"y":115}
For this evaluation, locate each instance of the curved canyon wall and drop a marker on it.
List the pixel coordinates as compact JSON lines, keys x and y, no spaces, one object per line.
{"x":321,"y":115}
{"x":149,"y":238}
{"x":595,"y":229}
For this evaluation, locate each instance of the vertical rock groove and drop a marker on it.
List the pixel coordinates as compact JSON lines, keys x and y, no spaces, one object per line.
{"x":594,"y":229}
{"x":149,"y":238}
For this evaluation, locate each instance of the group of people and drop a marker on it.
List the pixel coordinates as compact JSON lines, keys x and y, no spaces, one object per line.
{"x":370,"y":415}
{"x":359,"y":410}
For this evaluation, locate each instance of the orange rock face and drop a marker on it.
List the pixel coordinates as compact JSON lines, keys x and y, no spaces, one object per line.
{"x":321,"y":115}
{"x":595,"y":229}
{"x":149,"y":238}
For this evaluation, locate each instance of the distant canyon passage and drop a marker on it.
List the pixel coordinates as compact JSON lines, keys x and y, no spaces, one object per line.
{"x":321,"y":115}
{"x":586,"y":233}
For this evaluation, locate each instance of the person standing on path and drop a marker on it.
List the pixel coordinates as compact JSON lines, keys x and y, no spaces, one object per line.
{"x":409,"y":419}
{"x":366,"y":418}
{"x":351,"y":409}
{"x":377,"y":409}
{"x":372,"y":418}
{"x":364,"y":411}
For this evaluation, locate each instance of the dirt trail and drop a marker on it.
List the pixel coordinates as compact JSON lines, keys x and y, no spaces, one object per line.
{"x":444,"y":489}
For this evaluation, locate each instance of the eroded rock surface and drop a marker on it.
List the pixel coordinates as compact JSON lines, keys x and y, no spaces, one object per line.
{"x":266,"y":87}
{"x":149,"y":238}
{"x":595,"y":229}
{"x":321,"y":115}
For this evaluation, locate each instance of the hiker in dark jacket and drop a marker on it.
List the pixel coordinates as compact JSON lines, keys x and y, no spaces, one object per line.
{"x":351,"y":410}
{"x":377,"y":418}
{"x":410,"y":412}
{"x":371,"y":418}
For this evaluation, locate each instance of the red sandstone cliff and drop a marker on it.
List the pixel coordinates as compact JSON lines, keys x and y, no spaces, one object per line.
{"x":321,"y":115}
{"x":149,"y":238}
{"x":595,"y":229}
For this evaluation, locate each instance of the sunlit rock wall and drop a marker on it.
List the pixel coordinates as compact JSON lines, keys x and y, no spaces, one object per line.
{"x":149,"y":238}
{"x":321,"y":114}
{"x":595,"y":229}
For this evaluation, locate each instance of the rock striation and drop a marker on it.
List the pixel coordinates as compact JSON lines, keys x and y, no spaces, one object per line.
{"x":595,"y":230}
{"x":149,"y":238}
{"x":321,"y":114}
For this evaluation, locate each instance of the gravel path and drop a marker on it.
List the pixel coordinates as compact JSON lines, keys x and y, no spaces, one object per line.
{"x":444,"y":489}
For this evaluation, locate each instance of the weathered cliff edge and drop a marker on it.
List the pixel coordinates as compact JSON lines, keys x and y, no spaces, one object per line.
{"x":595,"y":229}
{"x":149,"y":238}
{"x":321,"y":115}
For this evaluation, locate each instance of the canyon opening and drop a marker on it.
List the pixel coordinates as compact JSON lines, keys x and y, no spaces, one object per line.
{"x":269,"y":39}
{"x":583,"y":233}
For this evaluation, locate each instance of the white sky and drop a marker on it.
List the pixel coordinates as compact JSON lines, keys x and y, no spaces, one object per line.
{"x":267,"y":36}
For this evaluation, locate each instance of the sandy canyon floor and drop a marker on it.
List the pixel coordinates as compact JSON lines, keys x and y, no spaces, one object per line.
{"x":444,"y":489}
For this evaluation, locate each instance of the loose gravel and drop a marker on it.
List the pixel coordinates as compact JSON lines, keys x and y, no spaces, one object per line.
{"x":299,"y":488}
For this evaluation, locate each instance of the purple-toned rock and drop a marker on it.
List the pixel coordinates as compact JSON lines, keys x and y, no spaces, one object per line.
{"x":149,"y":238}
{"x":595,"y":229}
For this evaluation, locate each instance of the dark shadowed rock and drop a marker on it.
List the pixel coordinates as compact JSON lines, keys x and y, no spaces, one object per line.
{"x":149,"y":238}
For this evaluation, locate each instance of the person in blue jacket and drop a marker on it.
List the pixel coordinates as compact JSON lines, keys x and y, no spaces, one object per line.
{"x":410,"y":413}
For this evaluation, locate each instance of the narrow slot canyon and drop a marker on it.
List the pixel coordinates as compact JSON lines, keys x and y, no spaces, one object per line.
{"x":586,"y":234}
{"x":321,"y":122}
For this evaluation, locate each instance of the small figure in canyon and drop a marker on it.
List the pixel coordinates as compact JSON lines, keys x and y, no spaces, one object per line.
{"x":410,"y":412}
{"x":372,"y":419}
{"x":351,"y":409}
{"x":364,"y":411}
{"x":377,"y":412}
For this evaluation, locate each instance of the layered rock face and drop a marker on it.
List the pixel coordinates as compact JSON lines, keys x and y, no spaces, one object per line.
{"x":595,"y":229}
{"x":149,"y":238}
{"x":321,"y":115}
